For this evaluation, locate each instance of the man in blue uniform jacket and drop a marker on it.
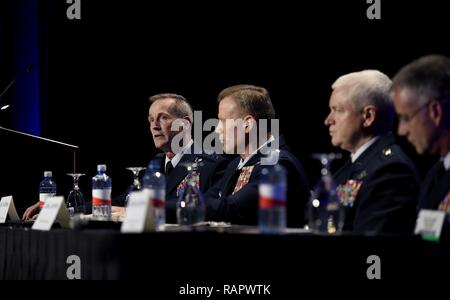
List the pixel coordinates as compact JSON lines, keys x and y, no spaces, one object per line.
{"x":379,"y":184}
{"x":421,"y":94}
{"x":210,"y":170}
{"x":235,"y":198}
{"x":164,"y":110}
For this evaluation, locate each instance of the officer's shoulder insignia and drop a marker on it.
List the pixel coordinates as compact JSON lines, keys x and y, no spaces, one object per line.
{"x":361,"y":175}
{"x":388,"y":152}
{"x":198,"y":162}
{"x":208,"y":157}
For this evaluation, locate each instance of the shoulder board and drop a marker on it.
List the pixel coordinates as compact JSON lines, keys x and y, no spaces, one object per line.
{"x":387,"y":153}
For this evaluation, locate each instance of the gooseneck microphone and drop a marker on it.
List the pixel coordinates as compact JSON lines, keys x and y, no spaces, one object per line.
{"x":4,"y":105}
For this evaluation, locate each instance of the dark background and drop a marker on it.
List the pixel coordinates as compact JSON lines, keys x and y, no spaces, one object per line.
{"x":94,"y":76}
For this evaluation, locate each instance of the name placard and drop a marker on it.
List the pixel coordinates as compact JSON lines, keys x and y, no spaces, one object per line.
{"x":429,"y":224}
{"x":7,"y":209}
{"x":54,"y":210}
{"x":140,"y":214}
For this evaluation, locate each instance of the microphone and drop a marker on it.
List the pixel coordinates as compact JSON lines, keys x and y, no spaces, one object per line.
{"x":4,"y":106}
{"x":29,"y":69}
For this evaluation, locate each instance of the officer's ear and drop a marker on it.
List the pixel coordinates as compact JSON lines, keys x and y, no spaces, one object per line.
{"x":249,"y":123}
{"x":187,"y":121}
{"x":435,"y":112}
{"x":369,"y":113}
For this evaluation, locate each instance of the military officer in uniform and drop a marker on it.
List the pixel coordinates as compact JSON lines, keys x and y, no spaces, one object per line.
{"x":235,"y":198}
{"x":379,"y":184}
{"x":164,"y":110}
{"x":421,"y":95}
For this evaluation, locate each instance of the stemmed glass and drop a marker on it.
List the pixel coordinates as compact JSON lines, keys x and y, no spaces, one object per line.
{"x":325,"y":211}
{"x":191,"y":205}
{"x":136,"y":186}
{"x":75,"y":200}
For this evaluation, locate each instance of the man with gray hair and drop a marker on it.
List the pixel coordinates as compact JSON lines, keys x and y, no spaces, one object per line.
{"x":164,"y":111}
{"x":421,"y":95}
{"x":379,"y":184}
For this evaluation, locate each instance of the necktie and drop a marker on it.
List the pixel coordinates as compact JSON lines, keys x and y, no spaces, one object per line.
{"x":169,"y":168}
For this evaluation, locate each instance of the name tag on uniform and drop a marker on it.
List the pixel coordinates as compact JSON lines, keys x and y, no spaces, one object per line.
{"x":139,"y":215}
{"x":54,"y":210}
{"x":429,"y":224}
{"x":7,"y":209}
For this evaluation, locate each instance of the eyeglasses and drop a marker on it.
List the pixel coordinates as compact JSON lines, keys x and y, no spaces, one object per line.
{"x":408,"y":118}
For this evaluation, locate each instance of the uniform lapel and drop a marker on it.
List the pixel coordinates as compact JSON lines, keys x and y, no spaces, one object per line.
{"x":440,"y":190}
{"x":179,"y":172}
{"x":382,"y":144}
{"x":344,"y":173}
{"x":427,"y":189}
{"x":232,"y":175}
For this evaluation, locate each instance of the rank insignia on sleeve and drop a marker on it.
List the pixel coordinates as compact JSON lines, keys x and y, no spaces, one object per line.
{"x":348,"y":191}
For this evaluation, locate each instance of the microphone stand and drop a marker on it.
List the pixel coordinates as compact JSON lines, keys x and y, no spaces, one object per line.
{"x":73,"y":147}
{"x":30,"y":69}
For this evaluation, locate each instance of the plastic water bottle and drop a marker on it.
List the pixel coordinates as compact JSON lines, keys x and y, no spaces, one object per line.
{"x":155,"y":186}
{"x":272,"y":200}
{"x":47,"y":188}
{"x":101,"y":194}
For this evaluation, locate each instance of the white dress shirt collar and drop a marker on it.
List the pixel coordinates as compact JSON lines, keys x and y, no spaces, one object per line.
{"x":176,"y":159}
{"x":243,"y":162}
{"x":446,"y":161}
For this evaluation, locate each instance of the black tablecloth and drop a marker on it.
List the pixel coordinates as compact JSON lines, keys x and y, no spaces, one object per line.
{"x":178,"y":257}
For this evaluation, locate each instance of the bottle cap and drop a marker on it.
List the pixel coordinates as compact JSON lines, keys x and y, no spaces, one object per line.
{"x":48,"y":174}
{"x":101,"y":168}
